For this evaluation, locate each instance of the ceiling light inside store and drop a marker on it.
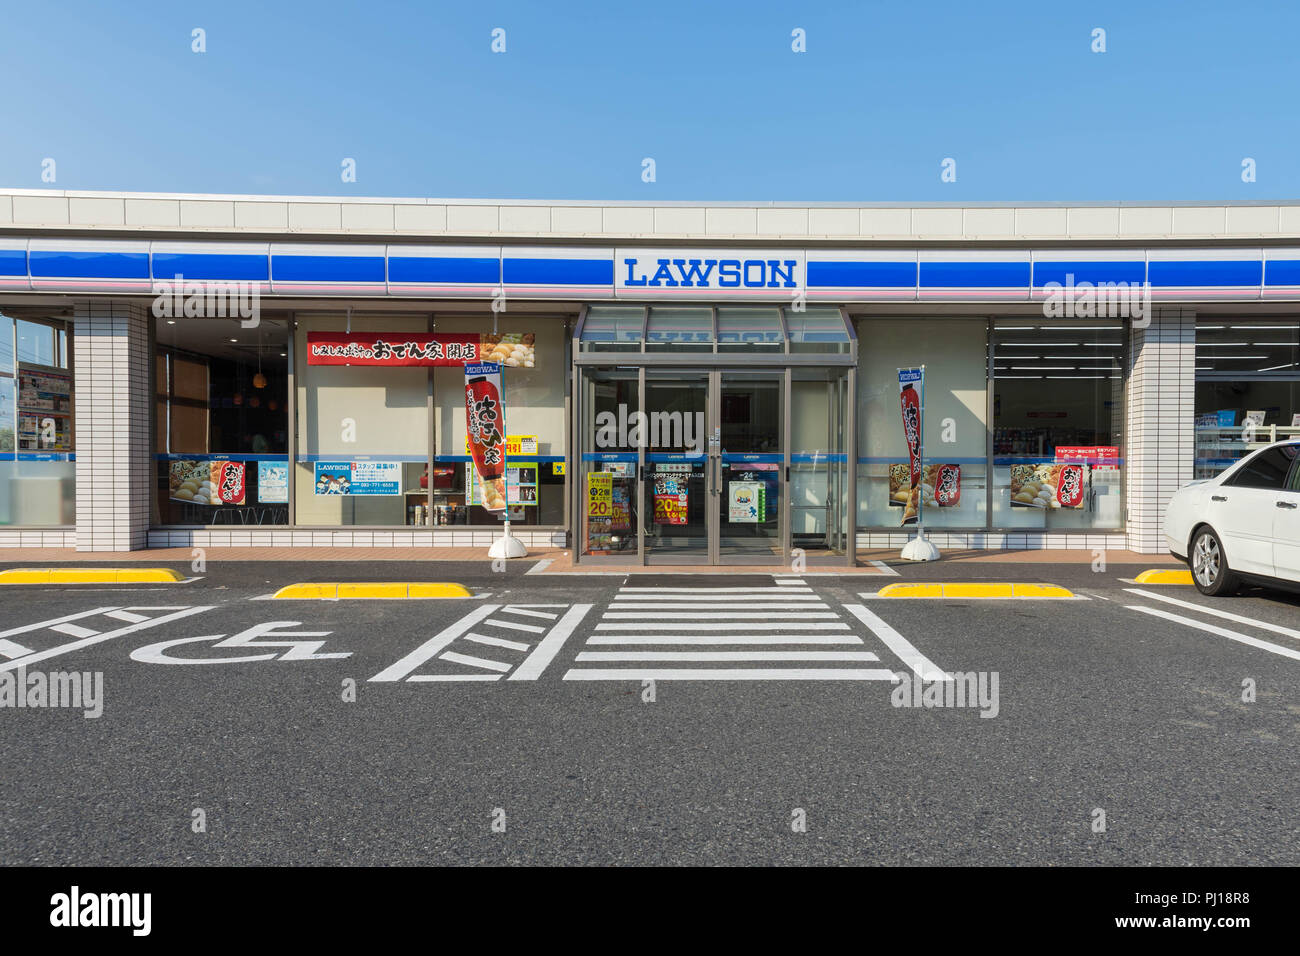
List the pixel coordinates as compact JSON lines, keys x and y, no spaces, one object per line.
{"x":1043,"y":368}
{"x":1223,"y":345}
{"x":1075,"y":376}
{"x":1258,"y":344}
{"x":1234,"y":358}
{"x":1038,"y":345}
{"x":1283,"y":325}
{"x":1274,"y":368}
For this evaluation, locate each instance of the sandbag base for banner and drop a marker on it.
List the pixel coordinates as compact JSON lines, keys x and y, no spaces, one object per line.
{"x":920,"y":549}
{"x":507,"y":546}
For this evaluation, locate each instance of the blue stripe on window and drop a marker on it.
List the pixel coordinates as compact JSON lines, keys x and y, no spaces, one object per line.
{"x":441,"y":269}
{"x":1282,"y":272}
{"x":974,"y":275}
{"x":13,"y":262}
{"x":291,"y":268}
{"x":211,"y":267}
{"x":559,"y":271}
{"x":1116,"y":271}
{"x":49,"y":263}
{"x":1208,"y":273}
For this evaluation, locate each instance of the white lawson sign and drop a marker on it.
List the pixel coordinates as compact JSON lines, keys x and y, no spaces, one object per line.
{"x":709,"y":273}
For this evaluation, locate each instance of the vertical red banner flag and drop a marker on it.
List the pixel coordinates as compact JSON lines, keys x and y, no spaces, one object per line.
{"x":485,"y":427}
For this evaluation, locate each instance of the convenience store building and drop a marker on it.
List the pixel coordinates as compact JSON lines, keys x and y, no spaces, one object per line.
{"x":686,"y":383}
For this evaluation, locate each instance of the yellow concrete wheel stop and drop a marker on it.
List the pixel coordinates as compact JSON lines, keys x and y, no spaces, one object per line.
{"x":1165,"y":576}
{"x":90,"y":576}
{"x":371,"y":590}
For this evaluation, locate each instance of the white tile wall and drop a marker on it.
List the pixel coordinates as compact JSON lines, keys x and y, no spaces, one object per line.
{"x":1161,"y":434}
{"x":111,"y":351}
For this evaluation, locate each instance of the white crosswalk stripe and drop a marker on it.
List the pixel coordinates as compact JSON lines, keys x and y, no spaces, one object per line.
{"x":440,"y":650}
{"x":782,"y":619}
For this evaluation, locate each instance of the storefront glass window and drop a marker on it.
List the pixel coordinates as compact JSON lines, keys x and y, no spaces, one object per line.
{"x":221,"y":422}
{"x":535,"y":429}
{"x":1058,"y":417}
{"x":955,"y":355}
{"x":37,"y":424}
{"x":1247,"y":387}
{"x":363,"y":432}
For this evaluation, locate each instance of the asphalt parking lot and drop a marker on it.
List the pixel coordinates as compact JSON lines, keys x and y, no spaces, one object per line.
{"x":653,"y":719}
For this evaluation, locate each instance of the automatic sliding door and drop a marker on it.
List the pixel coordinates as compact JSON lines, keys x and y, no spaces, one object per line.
{"x":819,"y":488}
{"x":751,"y":469}
{"x":676,"y":489}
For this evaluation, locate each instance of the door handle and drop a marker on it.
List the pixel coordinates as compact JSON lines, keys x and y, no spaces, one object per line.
{"x":1287,"y":504}
{"x":1218,"y":498}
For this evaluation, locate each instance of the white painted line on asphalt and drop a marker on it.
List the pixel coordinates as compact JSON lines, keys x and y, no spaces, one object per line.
{"x":717,"y":656}
{"x":434,"y":645}
{"x":729,"y":673}
{"x":687,"y":605}
{"x":42,"y":625}
{"x":524,"y":612}
{"x":764,"y":590}
{"x":561,"y":606}
{"x":909,"y":655}
{"x":736,"y":639}
{"x":422,"y":678}
{"x":726,"y":626}
{"x":720,"y":616}
{"x":498,"y":642}
{"x":883,"y":568}
{"x":482,"y":662}
{"x":1221,"y":631}
{"x":129,"y":616}
{"x":550,"y":645}
{"x":74,"y":630}
{"x":511,"y":625}
{"x":540,"y":566}
{"x":11,"y":650}
{"x":1215,"y":612}
{"x":177,"y":614}
{"x":786,"y":581}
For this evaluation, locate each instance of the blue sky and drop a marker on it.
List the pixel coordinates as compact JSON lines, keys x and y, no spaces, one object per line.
{"x":711,"y":91}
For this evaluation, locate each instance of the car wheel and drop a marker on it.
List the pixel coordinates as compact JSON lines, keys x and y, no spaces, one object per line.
{"x":1210,"y":571}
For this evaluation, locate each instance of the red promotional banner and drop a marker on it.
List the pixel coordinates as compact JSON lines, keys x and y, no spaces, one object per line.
{"x":910,"y":381}
{"x":485,"y":427}
{"x":1069,"y":490}
{"x":514,"y":349}
{"x":947,"y":485}
{"x":911,"y":406}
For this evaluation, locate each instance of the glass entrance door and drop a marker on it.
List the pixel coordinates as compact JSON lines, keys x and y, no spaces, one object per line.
{"x":676,"y":480}
{"x":691,"y":466}
{"x":751,"y":467}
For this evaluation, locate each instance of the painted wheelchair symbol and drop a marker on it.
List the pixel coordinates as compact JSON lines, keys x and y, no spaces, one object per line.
{"x":259,"y":637}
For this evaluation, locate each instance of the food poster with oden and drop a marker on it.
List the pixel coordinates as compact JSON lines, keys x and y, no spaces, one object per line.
{"x":1049,"y":486}
{"x":485,"y":426}
{"x":206,"y":482}
{"x":940,"y":486}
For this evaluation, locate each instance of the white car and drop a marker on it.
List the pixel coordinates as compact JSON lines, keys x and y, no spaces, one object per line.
{"x":1243,"y":525}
